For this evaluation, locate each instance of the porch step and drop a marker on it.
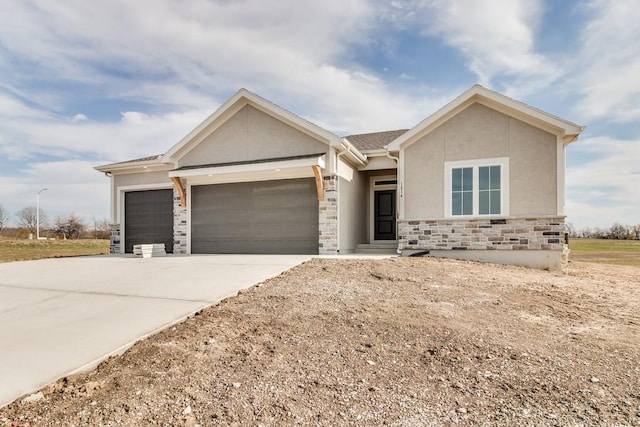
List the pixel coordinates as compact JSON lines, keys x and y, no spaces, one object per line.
{"x":386,"y":248}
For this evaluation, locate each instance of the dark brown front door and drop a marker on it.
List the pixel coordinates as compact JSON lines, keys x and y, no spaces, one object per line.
{"x":384,"y":215}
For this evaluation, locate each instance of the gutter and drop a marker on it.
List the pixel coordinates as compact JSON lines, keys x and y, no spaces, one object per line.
{"x":348,"y":148}
{"x":388,"y":153}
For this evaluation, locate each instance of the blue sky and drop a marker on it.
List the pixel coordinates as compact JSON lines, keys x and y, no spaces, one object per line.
{"x":87,"y":83}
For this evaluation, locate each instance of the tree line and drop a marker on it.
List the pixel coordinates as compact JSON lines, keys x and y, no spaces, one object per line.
{"x":69,"y":226}
{"x":616,"y":232}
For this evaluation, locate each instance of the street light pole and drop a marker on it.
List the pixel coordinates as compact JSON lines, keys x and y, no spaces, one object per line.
{"x":38,"y":213}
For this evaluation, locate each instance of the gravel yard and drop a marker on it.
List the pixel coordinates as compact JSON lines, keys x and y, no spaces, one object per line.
{"x":398,"y":342}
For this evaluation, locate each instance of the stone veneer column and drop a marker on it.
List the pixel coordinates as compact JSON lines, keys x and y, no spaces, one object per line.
{"x":179,"y":225}
{"x":328,"y":217}
{"x":114,"y":238}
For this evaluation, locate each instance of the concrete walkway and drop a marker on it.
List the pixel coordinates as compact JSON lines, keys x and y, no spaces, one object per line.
{"x":59,"y":316}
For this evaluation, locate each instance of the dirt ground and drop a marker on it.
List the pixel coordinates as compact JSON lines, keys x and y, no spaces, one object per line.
{"x":397,"y":342}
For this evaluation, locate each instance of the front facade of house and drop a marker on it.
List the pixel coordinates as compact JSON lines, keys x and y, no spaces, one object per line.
{"x":482,"y":179}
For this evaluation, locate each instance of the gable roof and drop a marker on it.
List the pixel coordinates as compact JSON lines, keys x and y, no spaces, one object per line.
{"x":567,"y":130}
{"x":242,"y":98}
{"x":374,"y":140}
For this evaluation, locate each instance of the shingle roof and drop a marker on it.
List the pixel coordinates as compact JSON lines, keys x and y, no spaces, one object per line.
{"x":142,"y":159}
{"x":375,"y":140}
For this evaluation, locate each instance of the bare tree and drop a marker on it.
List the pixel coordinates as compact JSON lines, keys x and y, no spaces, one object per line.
{"x":571,"y":230}
{"x":101,"y":229}
{"x":70,"y":226}
{"x":619,"y":231}
{"x":27,"y":218}
{"x":4,"y":218}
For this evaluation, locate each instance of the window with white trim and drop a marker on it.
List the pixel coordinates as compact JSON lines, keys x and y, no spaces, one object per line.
{"x":477,"y":188}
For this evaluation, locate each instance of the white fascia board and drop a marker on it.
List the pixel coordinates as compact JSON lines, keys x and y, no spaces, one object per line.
{"x":251,"y":167}
{"x":195,"y":134}
{"x":234,"y":104}
{"x":138,"y":167}
{"x":493,"y":100}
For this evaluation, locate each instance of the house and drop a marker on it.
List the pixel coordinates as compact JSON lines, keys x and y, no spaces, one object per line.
{"x":480,"y":179}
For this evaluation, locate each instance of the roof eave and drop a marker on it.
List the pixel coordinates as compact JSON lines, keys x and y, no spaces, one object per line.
{"x":147,"y":166}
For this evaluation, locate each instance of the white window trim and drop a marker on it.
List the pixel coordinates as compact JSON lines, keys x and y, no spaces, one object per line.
{"x":503,"y":162}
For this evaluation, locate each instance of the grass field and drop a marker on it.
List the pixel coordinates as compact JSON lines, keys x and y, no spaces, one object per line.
{"x":22,"y":250}
{"x":604,"y":251}
{"x":619,"y":252}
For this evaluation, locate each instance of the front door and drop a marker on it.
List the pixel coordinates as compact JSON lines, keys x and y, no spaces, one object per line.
{"x":384,"y":215}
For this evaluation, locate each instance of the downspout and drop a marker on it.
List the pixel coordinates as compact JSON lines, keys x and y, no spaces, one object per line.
{"x":397,"y":160}
{"x":346,"y":149}
{"x":338,"y":198}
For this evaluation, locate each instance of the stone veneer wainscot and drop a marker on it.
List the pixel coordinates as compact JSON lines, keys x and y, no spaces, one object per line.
{"x":530,"y":233}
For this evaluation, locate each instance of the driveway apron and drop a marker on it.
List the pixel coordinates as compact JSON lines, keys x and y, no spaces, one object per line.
{"x":60,"y":316}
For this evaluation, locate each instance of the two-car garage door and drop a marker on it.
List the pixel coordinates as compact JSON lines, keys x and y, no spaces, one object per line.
{"x":265,"y":217}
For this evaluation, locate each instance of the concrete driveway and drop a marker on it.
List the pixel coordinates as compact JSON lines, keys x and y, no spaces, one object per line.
{"x":59,"y":316}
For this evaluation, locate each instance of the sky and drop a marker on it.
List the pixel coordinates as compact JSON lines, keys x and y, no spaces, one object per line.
{"x":85,"y":83}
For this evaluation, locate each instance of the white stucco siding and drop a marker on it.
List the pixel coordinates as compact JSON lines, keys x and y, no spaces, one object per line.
{"x":479,"y":132}
{"x":476,"y":132}
{"x":423,"y":176}
{"x":533,"y":171}
{"x":251,"y":134}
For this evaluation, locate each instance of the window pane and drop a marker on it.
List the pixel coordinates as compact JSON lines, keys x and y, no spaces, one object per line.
{"x":484,"y":200}
{"x":495,"y":202}
{"x":456,"y":179}
{"x":495,"y":177}
{"x":467,"y":179}
{"x":483,"y":173}
{"x":467,"y":203}
{"x":456,"y":203}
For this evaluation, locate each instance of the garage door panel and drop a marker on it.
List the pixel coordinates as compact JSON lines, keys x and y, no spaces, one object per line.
{"x":148,"y":218}
{"x":255,"y":217}
{"x":256,"y":246}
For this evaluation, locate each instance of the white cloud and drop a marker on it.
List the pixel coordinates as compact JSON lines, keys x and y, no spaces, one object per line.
{"x":609,"y":73}
{"x":190,"y":58}
{"x":79,"y":118}
{"x":134,"y":135}
{"x":604,"y":190}
{"x":496,"y":37}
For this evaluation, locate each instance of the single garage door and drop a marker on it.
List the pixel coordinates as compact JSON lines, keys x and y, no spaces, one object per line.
{"x":266,"y":217}
{"x":148,"y":218}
